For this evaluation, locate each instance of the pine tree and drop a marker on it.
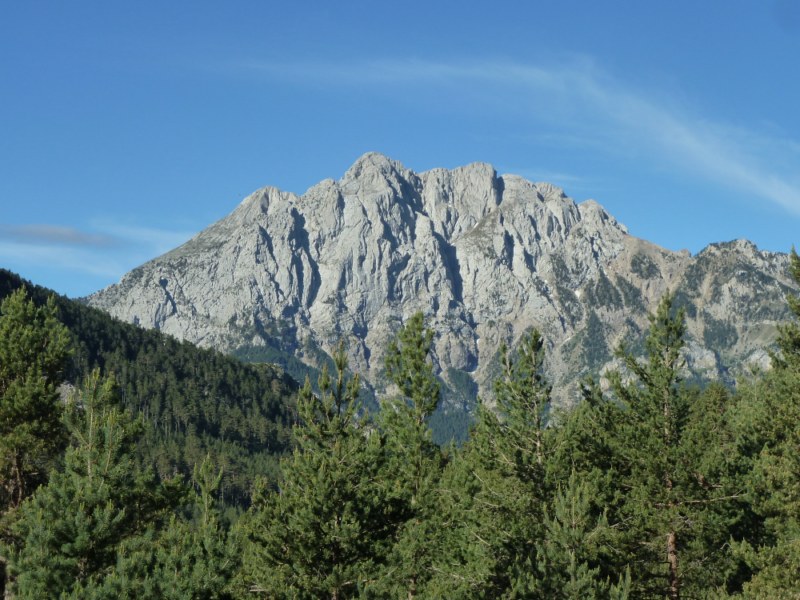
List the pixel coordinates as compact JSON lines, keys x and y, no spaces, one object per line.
{"x":464,"y":557}
{"x":655,"y":411}
{"x":520,"y":528}
{"x":585,"y":442}
{"x":408,"y":367}
{"x":788,"y":357}
{"x":34,"y":346}
{"x":71,"y":531}
{"x":414,"y":463}
{"x":321,"y":533}
{"x":770,"y":413}
{"x":191,"y":556}
{"x":507,"y":455}
{"x":676,"y":493}
{"x":33,"y":350}
{"x":571,"y":548}
{"x":523,"y":405}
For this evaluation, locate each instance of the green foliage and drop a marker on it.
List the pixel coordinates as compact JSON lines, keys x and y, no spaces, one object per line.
{"x":193,"y":401}
{"x":653,"y":489}
{"x":652,"y":418}
{"x":413,"y":462}
{"x":34,"y":347}
{"x":511,"y":526}
{"x":72,"y":531}
{"x":594,"y":349}
{"x":572,"y":546}
{"x":770,"y":412}
{"x":644,"y":267}
{"x":560,"y":534}
{"x":408,"y":368}
{"x":677,"y":495}
{"x":604,"y":294}
{"x":293,"y":366}
{"x":499,"y":506}
{"x":319,"y":534}
{"x":717,"y":334}
{"x":191,"y":556}
{"x":789,"y":333}
{"x":523,"y":403}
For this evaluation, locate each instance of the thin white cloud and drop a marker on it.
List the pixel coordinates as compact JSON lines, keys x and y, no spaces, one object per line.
{"x":732,"y":157}
{"x":53,"y":234}
{"x":559,"y":178}
{"x":109,"y":254}
{"x":152,"y":240}
{"x":74,"y":259}
{"x":584,"y":103}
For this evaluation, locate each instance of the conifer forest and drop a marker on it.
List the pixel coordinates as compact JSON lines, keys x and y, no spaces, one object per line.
{"x":136,"y":466}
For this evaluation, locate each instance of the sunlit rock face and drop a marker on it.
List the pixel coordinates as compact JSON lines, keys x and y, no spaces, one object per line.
{"x":485,"y":257}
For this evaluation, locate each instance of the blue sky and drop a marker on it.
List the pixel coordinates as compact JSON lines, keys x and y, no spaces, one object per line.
{"x":125,"y":128}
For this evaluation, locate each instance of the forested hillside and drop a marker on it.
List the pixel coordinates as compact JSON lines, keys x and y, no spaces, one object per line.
{"x":652,"y":488}
{"x":194,"y":401}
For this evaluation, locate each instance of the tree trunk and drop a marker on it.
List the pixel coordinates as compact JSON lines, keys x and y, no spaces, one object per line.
{"x":672,"y":544}
{"x":672,"y":559}
{"x":2,"y":577}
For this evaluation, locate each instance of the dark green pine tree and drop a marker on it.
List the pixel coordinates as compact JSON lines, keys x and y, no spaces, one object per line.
{"x":192,"y":556}
{"x":572,"y":548}
{"x":321,"y":534}
{"x":675,"y":495}
{"x":788,"y":357}
{"x":517,"y":430}
{"x":414,"y":464}
{"x":516,"y":530}
{"x":464,"y":558}
{"x":72,"y":531}
{"x":197,"y":558}
{"x":34,"y":346}
{"x":770,"y":413}
{"x":583,"y":443}
{"x":654,"y":414}
{"x":507,"y":456}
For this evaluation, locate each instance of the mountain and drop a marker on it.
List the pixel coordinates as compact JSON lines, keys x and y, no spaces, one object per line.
{"x":485,"y":257}
{"x":194,"y":402}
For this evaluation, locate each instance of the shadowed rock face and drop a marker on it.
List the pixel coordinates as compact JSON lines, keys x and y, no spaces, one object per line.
{"x":484,"y":257}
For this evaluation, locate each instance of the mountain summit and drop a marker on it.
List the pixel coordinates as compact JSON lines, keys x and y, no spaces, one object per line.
{"x":485,"y":257}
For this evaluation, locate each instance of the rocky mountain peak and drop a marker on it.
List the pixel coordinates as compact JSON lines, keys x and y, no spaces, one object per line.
{"x":372,"y":162}
{"x":485,"y":257}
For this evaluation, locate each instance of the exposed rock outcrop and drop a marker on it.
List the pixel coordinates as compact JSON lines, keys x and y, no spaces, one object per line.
{"x":485,"y":257}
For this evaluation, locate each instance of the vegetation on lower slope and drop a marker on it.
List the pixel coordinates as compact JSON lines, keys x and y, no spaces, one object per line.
{"x":654,"y":488}
{"x":194,"y":401}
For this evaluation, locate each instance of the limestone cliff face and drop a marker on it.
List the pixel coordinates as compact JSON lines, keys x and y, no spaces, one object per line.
{"x":485,"y":257}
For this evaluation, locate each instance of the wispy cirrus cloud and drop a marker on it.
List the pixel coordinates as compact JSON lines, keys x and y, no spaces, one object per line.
{"x":153,"y":240}
{"x":581,"y":104}
{"x":19,"y":256}
{"x":542,"y":174}
{"x":107,"y":249}
{"x":38,"y":234}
